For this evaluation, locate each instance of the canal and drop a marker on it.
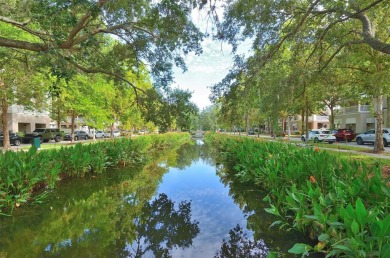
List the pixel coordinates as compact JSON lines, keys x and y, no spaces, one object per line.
{"x":183,"y":204}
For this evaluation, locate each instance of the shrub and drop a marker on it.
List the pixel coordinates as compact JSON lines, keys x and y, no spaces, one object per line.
{"x":343,"y":204}
{"x":24,"y":173}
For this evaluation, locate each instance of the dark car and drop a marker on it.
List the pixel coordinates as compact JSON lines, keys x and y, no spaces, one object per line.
{"x":78,"y":135}
{"x":345,"y":135}
{"x":13,"y":138}
{"x":44,"y":135}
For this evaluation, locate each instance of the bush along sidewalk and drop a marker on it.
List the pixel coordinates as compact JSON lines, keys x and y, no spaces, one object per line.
{"x":27,"y":176}
{"x":344,"y":205}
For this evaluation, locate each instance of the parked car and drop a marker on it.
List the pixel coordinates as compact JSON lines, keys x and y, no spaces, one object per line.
{"x":13,"y":138}
{"x":115,"y":134}
{"x":345,"y":135}
{"x":44,"y":135}
{"x":125,"y":133}
{"x":78,"y":135}
{"x":369,"y":137}
{"x":98,"y":134}
{"x":320,"y":136}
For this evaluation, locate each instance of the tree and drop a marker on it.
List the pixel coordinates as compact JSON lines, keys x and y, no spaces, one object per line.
{"x":371,"y":73}
{"x":182,"y":108}
{"x":276,"y":23}
{"x":20,"y":84}
{"x":209,"y":118}
{"x":124,"y":105}
{"x":174,"y":109}
{"x":73,"y":36}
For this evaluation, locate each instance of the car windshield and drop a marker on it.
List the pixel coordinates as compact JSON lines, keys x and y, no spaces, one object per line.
{"x":325,"y":132}
{"x":41,"y":130}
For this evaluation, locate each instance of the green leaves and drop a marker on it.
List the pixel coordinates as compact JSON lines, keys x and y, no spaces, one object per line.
{"x":22,"y":173}
{"x":302,"y":249}
{"x":272,"y":210}
{"x":361,"y":213}
{"x":311,"y":192}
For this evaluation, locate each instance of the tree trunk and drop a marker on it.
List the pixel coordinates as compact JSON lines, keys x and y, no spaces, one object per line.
{"x":246,"y":123}
{"x":72,"y":126}
{"x":379,"y":146}
{"x":331,"y":121}
{"x":4,"y":120}
{"x":288,"y":127}
{"x":306,"y":119}
{"x":387,"y":112}
{"x":306,"y":113}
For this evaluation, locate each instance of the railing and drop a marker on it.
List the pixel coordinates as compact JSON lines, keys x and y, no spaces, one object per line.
{"x":315,"y":118}
{"x":17,"y":109}
{"x":354,"y":109}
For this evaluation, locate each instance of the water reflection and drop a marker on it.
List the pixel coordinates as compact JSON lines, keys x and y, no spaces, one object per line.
{"x":161,"y":227}
{"x":146,"y":212}
{"x":249,"y":198}
{"x":111,"y":217}
{"x":241,"y":246}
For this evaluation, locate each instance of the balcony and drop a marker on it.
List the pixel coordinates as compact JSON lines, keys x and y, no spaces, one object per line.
{"x":17,"y":109}
{"x":353,"y":110}
{"x":312,"y":118}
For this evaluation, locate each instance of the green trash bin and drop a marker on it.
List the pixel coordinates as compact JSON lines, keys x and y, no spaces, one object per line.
{"x":36,"y":142}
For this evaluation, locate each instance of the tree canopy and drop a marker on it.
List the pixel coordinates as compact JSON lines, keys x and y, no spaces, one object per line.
{"x":108,"y":37}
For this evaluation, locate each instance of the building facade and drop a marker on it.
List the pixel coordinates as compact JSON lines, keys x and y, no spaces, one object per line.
{"x":359,"y":118}
{"x":23,"y":120}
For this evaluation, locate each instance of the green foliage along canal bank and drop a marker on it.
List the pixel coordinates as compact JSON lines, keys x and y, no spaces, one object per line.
{"x":27,"y":176}
{"x":343,"y":204}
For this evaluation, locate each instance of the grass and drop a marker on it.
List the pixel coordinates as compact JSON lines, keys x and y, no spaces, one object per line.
{"x":369,"y":160}
{"x":339,"y":150}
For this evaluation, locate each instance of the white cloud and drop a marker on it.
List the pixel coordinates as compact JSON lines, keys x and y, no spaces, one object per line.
{"x":204,"y":71}
{"x":208,"y":68}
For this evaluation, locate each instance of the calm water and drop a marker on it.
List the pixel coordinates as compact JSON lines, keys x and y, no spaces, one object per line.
{"x":181,"y":205}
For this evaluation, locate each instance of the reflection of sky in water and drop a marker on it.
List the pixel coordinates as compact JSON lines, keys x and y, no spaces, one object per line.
{"x":211,"y":206}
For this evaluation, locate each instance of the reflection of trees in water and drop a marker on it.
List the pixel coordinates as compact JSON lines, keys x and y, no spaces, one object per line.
{"x":250,"y":200}
{"x":190,"y":153}
{"x":161,"y":228}
{"x":239,"y":246}
{"x":104,"y":222}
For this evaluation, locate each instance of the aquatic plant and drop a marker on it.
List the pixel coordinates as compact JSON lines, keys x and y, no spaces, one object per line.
{"x":25,"y":176}
{"x":344,"y":204}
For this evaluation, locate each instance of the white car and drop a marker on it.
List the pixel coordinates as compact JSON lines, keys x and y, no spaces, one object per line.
{"x":369,"y":137}
{"x":115,"y":134}
{"x":320,"y":136}
{"x":98,"y":134}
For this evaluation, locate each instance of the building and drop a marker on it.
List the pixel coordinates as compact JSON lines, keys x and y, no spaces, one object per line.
{"x":359,"y":118}
{"x":314,"y":122}
{"x":23,"y":120}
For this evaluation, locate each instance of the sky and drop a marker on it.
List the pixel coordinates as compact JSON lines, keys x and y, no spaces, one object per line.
{"x":208,"y":68}
{"x":204,"y":71}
